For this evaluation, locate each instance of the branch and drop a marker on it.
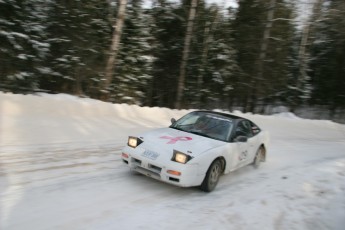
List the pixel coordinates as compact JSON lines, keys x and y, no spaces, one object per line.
{"x":282,"y":19}
{"x":276,"y":39}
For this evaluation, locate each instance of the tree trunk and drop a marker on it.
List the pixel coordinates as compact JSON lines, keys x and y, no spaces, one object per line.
{"x":302,"y":56}
{"x":78,"y":83}
{"x":303,"y":52}
{"x":115,"y":43}
{"x":264,"y":44}
{"x":262,"y":56}
{"x":185,"y":54}
{"x":208,"y":34}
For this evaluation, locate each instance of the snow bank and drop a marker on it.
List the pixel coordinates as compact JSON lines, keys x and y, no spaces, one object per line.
{"x":48,"y":120}
{"x":55,"y":120}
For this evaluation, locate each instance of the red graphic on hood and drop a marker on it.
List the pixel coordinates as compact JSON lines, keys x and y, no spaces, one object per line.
{"x":173,"y":140}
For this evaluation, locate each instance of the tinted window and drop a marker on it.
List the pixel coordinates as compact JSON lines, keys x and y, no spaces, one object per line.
{"x":244,"y":128}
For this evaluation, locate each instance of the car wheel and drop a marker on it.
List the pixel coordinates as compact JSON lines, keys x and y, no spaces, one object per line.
{"x":212,"y":176}
{"x":259,"y":157}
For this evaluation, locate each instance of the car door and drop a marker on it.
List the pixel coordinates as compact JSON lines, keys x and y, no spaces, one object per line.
{"x":246,"y":149}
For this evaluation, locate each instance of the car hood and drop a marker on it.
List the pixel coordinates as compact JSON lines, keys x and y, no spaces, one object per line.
{"x":168,"y":139}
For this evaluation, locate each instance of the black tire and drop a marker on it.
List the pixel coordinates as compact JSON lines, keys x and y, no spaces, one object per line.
{"x":212,"y":176}
{"x":259,"y":157}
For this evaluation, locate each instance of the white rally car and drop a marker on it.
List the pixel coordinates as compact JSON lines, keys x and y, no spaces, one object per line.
{"x":196,"y":149}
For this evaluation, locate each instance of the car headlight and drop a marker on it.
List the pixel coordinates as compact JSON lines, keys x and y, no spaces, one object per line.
{"x":180,"y":157}
{"x":134,"y":142}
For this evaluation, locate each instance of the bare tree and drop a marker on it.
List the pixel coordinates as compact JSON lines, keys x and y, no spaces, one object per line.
{"x":185,"y":54}
{"x":115,"y":44}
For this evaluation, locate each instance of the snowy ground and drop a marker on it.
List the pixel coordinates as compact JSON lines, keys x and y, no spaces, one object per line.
{"x":60,"y":168}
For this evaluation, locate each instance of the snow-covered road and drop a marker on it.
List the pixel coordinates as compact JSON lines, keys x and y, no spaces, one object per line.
{"x":60,"y":168}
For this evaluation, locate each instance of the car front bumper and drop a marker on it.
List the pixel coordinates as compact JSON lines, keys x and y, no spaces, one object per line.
{"x":189,"y":173}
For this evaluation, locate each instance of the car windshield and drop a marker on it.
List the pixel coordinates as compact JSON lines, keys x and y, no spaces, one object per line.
{"x":210,"y":125}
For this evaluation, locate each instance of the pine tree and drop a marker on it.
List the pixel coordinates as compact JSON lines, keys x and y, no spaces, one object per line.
{"x":264,"y":66}
{"x":212,"y":68}
{"x":276,"y":68}
{"x":328,"y":52}
{"x":114,"y":48}
{"x":23,"y":43}
{"x":299,"y":83}
{"x":248,"y":29}
{"x":185,"y":53}
{"x":168,"y":31}
{"x":134,"y":67}
{"x":77,"y":33}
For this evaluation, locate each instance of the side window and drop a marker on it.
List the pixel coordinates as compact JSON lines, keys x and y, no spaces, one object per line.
{"x":255,"y":129}
{"x":244,"y":128}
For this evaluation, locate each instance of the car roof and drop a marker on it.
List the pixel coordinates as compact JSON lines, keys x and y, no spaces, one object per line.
{"x":222,"y":114}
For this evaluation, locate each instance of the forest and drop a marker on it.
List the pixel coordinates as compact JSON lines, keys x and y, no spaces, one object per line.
{"x":181,"y":54}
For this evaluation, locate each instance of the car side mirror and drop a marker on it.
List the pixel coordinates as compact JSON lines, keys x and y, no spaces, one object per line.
{"x":173,"y":120}
{"x":241,"y":139}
